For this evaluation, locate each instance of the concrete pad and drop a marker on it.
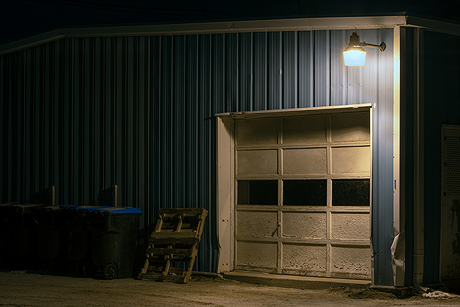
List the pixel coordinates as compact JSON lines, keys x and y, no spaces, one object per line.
{"x":291,"y":281}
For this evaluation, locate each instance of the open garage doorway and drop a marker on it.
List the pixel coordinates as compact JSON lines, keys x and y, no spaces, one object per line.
{"x":298,"y":199}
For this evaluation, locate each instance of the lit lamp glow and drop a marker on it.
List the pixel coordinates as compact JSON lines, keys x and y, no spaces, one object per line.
{"x":355,"y":55}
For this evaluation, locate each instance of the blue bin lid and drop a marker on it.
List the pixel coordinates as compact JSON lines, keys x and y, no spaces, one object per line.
{"x":118,"y":210}
{"x":86,"y":208}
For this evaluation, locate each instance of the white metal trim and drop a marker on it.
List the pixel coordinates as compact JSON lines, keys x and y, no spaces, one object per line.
{"x":398,"y":219}
{"x":419,"y":171}
{"x":270,"y":25}
{"x":371,"y":199}
{"x":224,"y":193}
{"x":434,"y":25}
{"x":294,"y":112}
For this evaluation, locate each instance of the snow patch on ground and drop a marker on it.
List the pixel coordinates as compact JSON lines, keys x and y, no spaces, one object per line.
{"x":438,"y":294}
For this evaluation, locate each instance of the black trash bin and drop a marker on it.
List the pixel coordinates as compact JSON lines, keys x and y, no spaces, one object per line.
{"x":5,"y":218}
{"x":51,"y":237}
{"x":78,"y":238}
{"x":22,"y":237}
{"x":114,"y":239}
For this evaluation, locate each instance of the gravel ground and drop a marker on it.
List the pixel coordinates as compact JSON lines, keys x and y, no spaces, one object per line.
{"x":32,"y":288}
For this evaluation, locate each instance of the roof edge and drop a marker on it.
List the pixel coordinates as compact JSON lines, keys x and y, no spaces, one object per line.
{"x":445,"y":27}
{"x":271,"y":25}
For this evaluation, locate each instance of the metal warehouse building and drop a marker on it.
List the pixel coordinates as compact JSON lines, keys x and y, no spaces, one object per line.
{"x":306,"y":166}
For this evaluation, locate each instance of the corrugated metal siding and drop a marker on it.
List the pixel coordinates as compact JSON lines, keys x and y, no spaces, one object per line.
{"x":83,"y":114}
{"x":441,"y":96}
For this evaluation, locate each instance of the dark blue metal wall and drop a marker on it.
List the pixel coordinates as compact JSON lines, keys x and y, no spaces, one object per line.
{"x":442,"y":106}
{"x":83,"y":114}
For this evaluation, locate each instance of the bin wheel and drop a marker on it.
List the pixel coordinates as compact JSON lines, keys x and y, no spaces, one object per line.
{"x":110,"y":271}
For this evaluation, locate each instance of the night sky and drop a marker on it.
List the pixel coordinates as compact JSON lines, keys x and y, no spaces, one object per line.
{"x":24,"y":18}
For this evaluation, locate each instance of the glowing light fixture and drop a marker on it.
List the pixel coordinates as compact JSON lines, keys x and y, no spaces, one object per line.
{"x":355,"y":55}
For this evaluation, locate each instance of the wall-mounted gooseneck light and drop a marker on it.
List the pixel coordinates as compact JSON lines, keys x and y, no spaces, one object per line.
{"x":355,"y":55}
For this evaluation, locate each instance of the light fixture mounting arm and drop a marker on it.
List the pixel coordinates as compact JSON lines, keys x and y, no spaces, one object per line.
{"x":382,"y":46}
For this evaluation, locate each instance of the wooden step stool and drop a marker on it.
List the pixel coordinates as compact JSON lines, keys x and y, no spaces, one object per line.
{"x":176,"y":238}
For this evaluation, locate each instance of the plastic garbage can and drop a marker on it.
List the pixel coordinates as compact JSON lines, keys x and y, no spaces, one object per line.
{"x":22,"y":236}
{"x":114,"y":240}
{"x":5,"y":218}
{"x":78,"y":238}
{"x":51,"y":237}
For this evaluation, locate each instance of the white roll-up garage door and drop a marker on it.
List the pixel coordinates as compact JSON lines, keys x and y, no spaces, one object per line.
{"x":302,"y":194}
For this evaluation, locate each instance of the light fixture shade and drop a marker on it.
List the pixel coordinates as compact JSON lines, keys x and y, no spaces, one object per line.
{"x":354,"y":57}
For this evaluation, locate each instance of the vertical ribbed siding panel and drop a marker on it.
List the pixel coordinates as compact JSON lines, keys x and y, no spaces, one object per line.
{"x":15,"y":129}
{"x":109,"y":113}
{"x":87,"y":102}
{"x":39,"y":122}
{"x":156,"y":61}
{"x":245,"y":56}
{"x":19,"y":180}
{"x":179,"y":93}
{"x":143,"y":164}
{"x":274,"y":70}
{"x":3,"y":158}
{"x":322,"y":68}
{"x":165,"y":123}
{"x":75,"y":125}
{"x":290,"y":70}
{"x":231,"y":71}
{"x":56,"y":115}
{"x":34,"y":132}
{"x":131,"y":102}
{"x":28,"y":140}
{"x":96,"y":121}
{"x":205,"y":156}
{"x":9,"y":129}
{"x":339,"y":41}
{"x":306,"y":69}
{"x":64,"y":187}
{"x":260,"y":71}
{"x":218,"y":73}
{"x":370,"y":71}
{"x":192,"y":122}
{"x":120,"y":116}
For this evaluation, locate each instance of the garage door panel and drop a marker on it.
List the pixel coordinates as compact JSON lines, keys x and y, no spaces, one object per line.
{"x":350,"y":160}
{"x":303,"y":194}
{"x":256,"y":162}
{"x":257,"y":224}
{"x":257,"y":192}
{"x":351,"y":192}
{"x":304,"y":161}
{"x":304,"y":225}
{"x":350,"y":127}
{"x":304,"y":130}
{"x":257,"y":254}
{"x":307,"y":259}
{"x":257,"y":132}
{"x":351,"y":261}
{"x":351,"y":226}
